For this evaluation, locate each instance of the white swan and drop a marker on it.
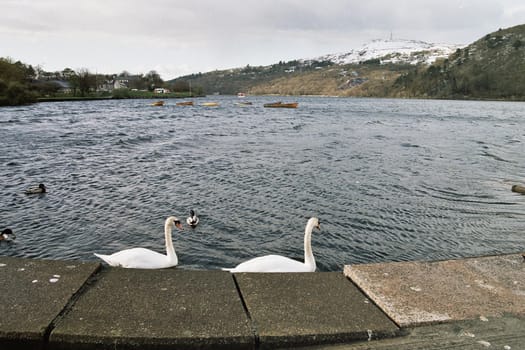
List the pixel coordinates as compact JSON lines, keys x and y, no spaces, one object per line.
{"x":142,"y":258}
{"x":192,"y":220}
{"x":277,"y":263}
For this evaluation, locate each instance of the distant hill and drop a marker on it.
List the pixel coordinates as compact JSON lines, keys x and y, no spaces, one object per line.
{"x":398,"y":51}
{"x":490,"y":68}
{"x":244,"y":79}
{"x":335,"y":74}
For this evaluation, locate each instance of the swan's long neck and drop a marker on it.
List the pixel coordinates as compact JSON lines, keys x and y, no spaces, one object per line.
{"x":170,"y":250}
{"x":309,"y":259}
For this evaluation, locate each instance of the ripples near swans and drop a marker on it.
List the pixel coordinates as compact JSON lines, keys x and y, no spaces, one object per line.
{"x":390,"y":179}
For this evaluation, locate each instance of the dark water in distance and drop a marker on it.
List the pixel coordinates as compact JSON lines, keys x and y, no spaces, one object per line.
{"x":391,"y":180}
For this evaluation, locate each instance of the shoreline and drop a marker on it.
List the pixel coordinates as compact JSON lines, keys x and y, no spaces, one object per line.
{"x":85,"y":305}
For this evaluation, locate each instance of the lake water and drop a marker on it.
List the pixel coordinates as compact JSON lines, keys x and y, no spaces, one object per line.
{"x":390,"y":180}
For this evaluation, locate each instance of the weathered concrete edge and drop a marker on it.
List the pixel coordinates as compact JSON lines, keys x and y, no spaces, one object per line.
{"x":35,"y":337}
{"x":271,"y":338}
{"x":140,"y":340}
{"x":19,"y":340}
{"x":71,"y":302}
{"x":361,"y":281}
{"x":23,"y":340}
{"x":102,"y":342}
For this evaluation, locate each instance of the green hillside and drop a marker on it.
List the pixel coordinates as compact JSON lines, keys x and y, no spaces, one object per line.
{"x":232,"y":81}
{"x":14,"y":86}
{"x":301,"y":78}
{"x":491,"y":68}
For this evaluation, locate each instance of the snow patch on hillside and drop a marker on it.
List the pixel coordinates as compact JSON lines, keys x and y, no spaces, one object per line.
{"x":394,"y":51}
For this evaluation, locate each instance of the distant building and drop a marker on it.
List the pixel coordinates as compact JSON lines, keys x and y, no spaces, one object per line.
{"x":64,"y":86}
{"x":67,"y":73}
{"x":52,"y":86}
{"x":121,"y":83}
{"x":106,"y":86}
{"x":161,"y":91}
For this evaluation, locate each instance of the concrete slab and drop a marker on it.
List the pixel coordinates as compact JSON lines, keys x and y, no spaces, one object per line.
{"x":507,"y":332}
{"x":156,"y":309}
{"x":32,"y":294}
{"x":416,"y":293}
{"x":293,"y":309}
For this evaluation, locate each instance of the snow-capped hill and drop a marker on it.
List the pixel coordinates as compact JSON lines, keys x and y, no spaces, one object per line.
{"x":394,"y":51}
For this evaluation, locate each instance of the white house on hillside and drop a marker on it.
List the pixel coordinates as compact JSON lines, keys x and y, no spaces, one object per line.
{"x":161,"y":91}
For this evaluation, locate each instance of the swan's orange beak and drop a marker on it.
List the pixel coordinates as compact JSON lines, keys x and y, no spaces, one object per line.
{"x":179,"y":226}
{"x":318,"y":226}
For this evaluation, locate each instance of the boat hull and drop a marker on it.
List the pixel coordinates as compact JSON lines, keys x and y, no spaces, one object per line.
{"x":281,"y":105}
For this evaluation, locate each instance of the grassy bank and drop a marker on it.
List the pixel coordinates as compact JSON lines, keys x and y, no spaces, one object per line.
{"x":117,"y":95}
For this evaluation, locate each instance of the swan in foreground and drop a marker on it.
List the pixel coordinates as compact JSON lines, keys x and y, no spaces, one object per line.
{"x":278,"y":263}
{"x":34,"y":190}
{"x":192,"y":220}
{"x":142,"y":258}
{"x":7,"y":235}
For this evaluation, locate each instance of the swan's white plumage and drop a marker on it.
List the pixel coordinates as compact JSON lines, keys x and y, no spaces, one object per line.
{"x":272,"y":263}
{"x":138,"y":258}
{"x":278,"y":263}
{"x":142,"y":258}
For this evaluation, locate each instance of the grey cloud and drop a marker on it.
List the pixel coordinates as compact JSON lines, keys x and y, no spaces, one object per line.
{"x":209,"y":33}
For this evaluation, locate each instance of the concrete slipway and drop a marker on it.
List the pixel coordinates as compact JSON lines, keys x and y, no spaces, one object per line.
{"x":472,"y":303}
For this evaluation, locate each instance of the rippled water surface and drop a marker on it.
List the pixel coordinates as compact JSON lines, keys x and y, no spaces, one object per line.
{"x":390,"y":180}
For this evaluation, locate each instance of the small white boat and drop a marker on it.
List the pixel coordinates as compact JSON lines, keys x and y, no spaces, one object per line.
{"x":210,"y":104}
{"x":243,"y":103}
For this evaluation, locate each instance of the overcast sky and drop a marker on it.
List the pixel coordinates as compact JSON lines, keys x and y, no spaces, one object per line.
{"x":181,"y":37}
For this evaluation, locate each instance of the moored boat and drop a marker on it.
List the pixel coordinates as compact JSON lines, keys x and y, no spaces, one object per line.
{"x":281,"y":105}
{"x":158,"y":103}
{"x":185,"y":103}
{"x":243,"y":103}
{"x":210,"y":104}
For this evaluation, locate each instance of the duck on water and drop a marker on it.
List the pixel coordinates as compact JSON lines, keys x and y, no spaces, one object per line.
{"x":7,"y":235}
{"x":193,"y":219}
{"x":41,"y":188}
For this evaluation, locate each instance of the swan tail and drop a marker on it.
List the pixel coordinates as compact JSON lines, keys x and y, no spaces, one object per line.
{"x":106,"y":258}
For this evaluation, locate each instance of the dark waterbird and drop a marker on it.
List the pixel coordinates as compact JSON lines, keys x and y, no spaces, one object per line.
{"x":7,"y":235}
{"x":41,"y":188}
{"x":192,"y":220}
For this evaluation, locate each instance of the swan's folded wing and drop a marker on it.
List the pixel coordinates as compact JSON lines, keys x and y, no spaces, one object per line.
{"x":271,"y":263}
{"x":138,"y":258}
